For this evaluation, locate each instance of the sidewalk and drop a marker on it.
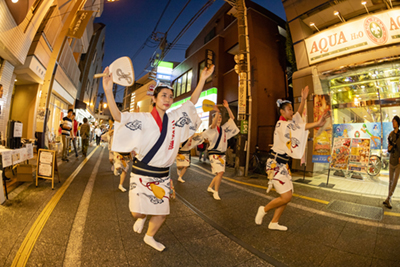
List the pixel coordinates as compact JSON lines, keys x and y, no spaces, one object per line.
{"x":371,"y":187}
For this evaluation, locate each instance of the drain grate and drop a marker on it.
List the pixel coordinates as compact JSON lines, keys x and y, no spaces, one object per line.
{"x":356,"y":210}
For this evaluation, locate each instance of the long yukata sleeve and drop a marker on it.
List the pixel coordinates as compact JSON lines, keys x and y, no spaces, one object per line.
{"x":186,"y":120}
{"x":230,"y":129}
{"x":291,"y":137}
{"x":127,"y":132}
{"x":193,"y":141}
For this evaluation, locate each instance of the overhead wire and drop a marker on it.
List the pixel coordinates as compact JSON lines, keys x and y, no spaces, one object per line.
{"x":177,"y":16}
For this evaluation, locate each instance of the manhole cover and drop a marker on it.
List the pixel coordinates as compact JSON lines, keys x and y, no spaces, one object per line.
{"x":356,"y":210}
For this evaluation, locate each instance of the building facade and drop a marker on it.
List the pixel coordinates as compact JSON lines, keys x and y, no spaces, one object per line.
{"x":268,"y":67}
{"x":347,"y":52}
{"x":28,"y":32}
{"x":89,"y":65}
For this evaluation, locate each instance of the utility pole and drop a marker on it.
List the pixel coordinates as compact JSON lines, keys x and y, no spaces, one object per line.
{"x":244,"y":91}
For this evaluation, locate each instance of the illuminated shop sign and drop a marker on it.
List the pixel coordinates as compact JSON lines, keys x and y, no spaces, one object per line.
{"x":164,"y":71}
{"x":368,"y":32}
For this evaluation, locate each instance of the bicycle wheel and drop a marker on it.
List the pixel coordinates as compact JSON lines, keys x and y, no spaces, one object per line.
{"x":374,"y":165}
{"x":254,"y":165}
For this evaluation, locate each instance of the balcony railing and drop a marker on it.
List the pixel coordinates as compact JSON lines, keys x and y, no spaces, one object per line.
{"x":69,"y":65}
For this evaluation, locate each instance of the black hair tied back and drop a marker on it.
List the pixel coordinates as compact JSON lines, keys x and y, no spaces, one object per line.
{"x":396,"y":118}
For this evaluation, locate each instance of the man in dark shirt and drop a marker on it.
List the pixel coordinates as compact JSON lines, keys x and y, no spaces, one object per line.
{"x":66,"y":126}
{"x":85,"y":135}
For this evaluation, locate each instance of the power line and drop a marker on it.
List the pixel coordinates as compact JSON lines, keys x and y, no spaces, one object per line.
{"x":149,"y":39}
{"x":177,"y":17}
{"x":183,"y":31}
{"x":162,"y":14}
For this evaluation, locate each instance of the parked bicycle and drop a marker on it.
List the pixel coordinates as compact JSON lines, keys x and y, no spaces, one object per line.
{"x":257,"y":162}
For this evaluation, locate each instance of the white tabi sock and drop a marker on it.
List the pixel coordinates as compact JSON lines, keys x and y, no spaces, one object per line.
{"x":260,"y":215}
{"x":181,"y":180}
{"x":149,"y":240}
{"x":120,"y":187}
{"x":138,"y":226}
{"x":216,"y":196}
{"x":277,"y":226}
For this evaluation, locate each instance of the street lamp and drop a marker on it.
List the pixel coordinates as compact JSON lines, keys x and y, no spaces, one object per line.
{"x":336,"y":13}
{"x":105,"y":105}
{"x":312,"y":24}
{"x":364,"y":3}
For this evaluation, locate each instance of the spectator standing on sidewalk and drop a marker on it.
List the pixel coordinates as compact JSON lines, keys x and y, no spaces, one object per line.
{"x":290,"y":138}
{"x":66,"y":127}
{"x":155,"y":138}
{"x":98,"y":134}
{"x":218,"y":137}
{"x":85,"y":135}
{"x":74,"y":133}
{"x":394,"y":160}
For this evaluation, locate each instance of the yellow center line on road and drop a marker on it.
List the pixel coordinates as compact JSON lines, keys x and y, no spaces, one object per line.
{"x":30,"y":240}
{"x":391,"y":213}
{"x":294,"y":194}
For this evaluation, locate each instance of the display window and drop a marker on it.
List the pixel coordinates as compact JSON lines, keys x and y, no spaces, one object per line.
{"x":364,"y":102}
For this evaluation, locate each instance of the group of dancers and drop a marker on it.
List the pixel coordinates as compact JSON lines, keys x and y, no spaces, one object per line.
{"x":158,"y":138}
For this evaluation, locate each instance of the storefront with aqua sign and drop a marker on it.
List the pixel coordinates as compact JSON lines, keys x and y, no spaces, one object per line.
{"x":363,"y":97}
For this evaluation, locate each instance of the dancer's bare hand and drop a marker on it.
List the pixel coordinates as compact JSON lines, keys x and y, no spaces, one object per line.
{"x":323,"y":119}
{"x":215,"y":108}
{"x":304,"y":93}
{"x":225,"y":104}
{"x":107,"y":81}
{"x":207,"y":72}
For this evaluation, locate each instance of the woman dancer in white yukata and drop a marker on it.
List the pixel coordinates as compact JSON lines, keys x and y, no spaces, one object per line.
{"x":218,"y":137}
{"x":155,"y":138}
{"x":183,"y":157}
{"x":290,"y":138}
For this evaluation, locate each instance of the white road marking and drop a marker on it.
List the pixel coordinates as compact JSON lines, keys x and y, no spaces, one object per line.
{"x":74,"y":247}
{"x":308,"y":209}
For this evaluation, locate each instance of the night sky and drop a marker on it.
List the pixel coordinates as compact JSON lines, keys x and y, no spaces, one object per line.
{"x":130,"y":22}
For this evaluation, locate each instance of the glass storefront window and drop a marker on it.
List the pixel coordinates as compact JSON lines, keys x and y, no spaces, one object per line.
{"x":174,"y":86}
{"x":178,"y":87}
{"x":364,"y":101}
{"x":189,"y":81}
{"x":184,"y":77}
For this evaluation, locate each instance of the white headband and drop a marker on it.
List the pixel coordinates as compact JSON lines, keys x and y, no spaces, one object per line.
{"x":279,"y":102}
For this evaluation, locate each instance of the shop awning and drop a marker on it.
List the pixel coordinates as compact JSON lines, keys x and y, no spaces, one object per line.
{"x":80,"y":104}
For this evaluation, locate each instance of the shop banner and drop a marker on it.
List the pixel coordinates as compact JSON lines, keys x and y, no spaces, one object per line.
{"x":340,"y":153}
{"x":370,"y":31}
{"x":322,"y":135}
{"x":371,"y":130}
{"x":359,"y":155}
{"x":78,"y":26}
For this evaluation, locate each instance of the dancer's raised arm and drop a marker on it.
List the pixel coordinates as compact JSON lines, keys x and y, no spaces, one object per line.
{"x":304,"y":95}
{"x":319,"y":123}
{"x":215,"y":119}
{"x":107,"y":86}
{"x":226,"y":105}
{"x":203,"y":77}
